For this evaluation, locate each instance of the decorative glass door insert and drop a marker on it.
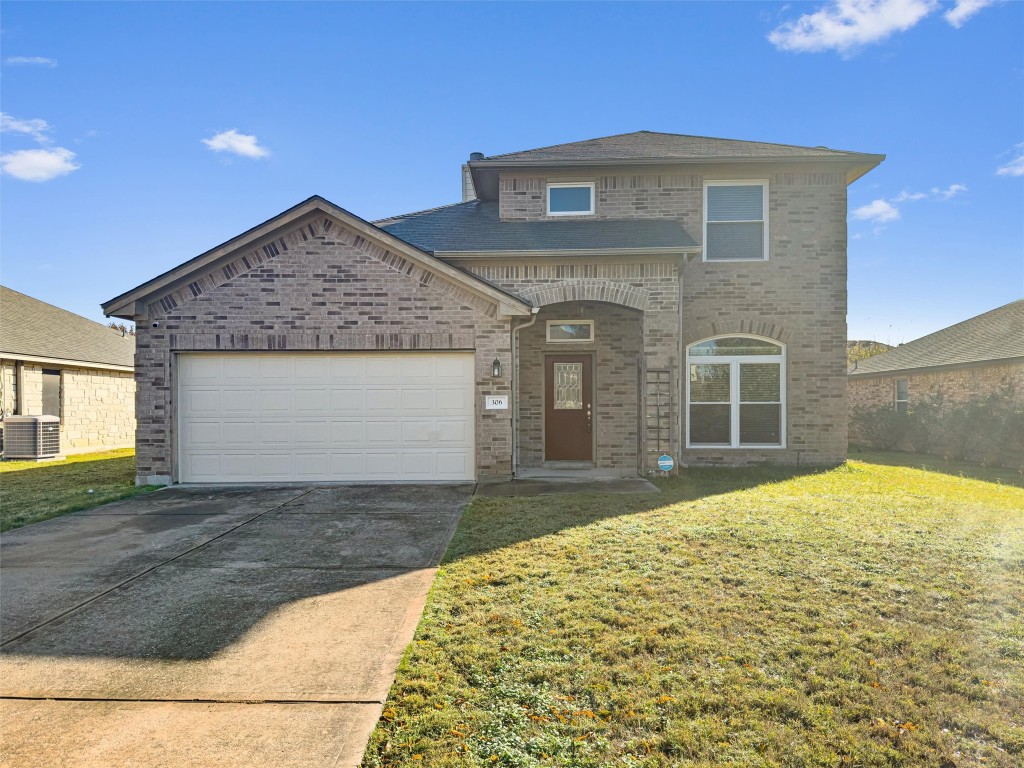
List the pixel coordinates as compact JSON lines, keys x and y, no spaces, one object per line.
{"x":568,"y":386}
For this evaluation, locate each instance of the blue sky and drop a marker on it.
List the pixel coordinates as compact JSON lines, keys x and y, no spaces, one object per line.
{"x":139,"y":135}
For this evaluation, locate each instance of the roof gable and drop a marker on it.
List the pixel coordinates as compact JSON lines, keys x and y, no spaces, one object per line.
{"x":994,"y":335}
{"x":312,"y":218}
{"x":30,"y":328}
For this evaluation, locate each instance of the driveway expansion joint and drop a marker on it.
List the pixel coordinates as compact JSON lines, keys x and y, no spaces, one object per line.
{"x":142,"y":573}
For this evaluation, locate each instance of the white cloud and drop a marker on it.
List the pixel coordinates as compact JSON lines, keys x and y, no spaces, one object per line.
{"x":39,"y":61}
{"x":36,"y":127}
{"x":906,"y":196}
{"x":877,"y":210}
{"x":846,"y":25}
{"x":1016,"y":166}
{"x":951,"y":191}
{"x":38,"y":164}
{"x":963,"y":10}
{"x":236,"y":143}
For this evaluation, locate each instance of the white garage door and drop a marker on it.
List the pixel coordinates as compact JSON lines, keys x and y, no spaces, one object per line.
{"x":391,"y":417}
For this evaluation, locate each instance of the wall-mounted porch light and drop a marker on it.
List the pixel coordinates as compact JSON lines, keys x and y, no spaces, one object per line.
{"x":496,"y":368}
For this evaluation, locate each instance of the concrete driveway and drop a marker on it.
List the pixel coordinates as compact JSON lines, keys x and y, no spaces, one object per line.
{"x":214,"y":627}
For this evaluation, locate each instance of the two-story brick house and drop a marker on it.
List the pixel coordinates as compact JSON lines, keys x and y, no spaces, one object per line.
{"x":589,"y":306}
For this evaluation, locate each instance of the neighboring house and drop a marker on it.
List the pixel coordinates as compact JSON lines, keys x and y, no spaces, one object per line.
{"x":588,"y":305}
{"x":56,"y":363}
{"x":963,"y":363}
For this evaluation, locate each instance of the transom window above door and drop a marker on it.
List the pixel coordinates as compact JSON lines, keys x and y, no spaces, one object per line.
{"x":570,"y":199}
{"x":564,"y":331}
{"x":736,"y":393}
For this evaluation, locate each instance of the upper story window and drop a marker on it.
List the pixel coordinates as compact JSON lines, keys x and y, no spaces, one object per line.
{"x":735,"y":220}
{"x":573,"y":199}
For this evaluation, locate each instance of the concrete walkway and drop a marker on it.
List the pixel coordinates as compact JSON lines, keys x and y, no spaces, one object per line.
{"x":199,"y":627}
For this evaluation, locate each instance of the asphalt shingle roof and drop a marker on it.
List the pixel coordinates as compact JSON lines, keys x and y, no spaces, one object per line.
{"x":475,"y":227}
{"x":667,"y":146}
{"x":34,"y":328}
{"x":994,"y":335}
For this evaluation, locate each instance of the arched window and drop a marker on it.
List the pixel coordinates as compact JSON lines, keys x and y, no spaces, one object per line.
{"x":736,"y":393}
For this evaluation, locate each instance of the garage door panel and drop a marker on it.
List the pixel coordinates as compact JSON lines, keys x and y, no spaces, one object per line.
{"x":417,"y":401}
{"x":235,"y":370}
{"x":348,"y":400}
{"x":455,"y":432}
{"x":450,"y":401}
{"x":203,"y":402}
{"x":272,"y":417}
{"x":310,"y":433}
{"x":382,"y":432}
{"x":349,"y":432}
{"x":382,"y":401}
{"x":381,"y":368}
{"x":239,"y":433}
{"x":279,"y":400}
{"x":311,"y":400}
{"x":234,"y":400}
{"x":274,"y":433}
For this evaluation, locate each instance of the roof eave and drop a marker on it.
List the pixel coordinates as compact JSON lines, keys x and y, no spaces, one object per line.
{"x":545,"y":252}
{"x":66,"y":361}
{"x":867,"y":160}
{"x":862,"y":374}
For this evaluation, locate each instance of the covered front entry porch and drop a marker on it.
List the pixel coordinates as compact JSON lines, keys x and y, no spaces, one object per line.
{"x":579,"y":390}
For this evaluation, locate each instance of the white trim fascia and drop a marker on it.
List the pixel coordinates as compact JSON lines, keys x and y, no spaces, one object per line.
{"x":763,"y":220}
{"x":570,"y":185}
{"x":65,"y":362}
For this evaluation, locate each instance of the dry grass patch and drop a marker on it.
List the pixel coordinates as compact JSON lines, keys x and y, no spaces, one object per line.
{"x":863,"y":616}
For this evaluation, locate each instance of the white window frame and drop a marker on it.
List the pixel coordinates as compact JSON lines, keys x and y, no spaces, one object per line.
{"x":734,"y":403}
{"x":547,"y":334}
{"x":562,"y":185}
{"x":762,"y":220}
{"x":896,"y":396}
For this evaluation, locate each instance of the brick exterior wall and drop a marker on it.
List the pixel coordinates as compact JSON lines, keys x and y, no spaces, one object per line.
{"x":648,"y":287}
{"x":335,"y":291}
{"x":97,"y":406}
{"x":956,"y":386}
{"x":797,"y":297}
{"x":315,"y":287}
{"x":616,"y":359}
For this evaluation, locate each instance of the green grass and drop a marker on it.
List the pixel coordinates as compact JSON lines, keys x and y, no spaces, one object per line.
{"x":868,"y":615}
{"x":34,"y":491}
{"x":938,"y":464}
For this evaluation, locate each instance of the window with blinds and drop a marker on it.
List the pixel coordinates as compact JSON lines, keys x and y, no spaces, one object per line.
{"x":735,"y":224}
{"x":736,"y":393}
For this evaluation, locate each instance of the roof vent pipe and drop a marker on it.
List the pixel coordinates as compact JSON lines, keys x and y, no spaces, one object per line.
{"x":476,"y":156}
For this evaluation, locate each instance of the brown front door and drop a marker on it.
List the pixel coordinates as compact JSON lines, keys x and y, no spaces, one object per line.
{"x":568,"y":420}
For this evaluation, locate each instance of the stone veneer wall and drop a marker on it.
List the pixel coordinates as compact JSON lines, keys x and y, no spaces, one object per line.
{"x":331,"y":290}
{"x":616,"y":352}
{"x":97,"y":406}
{"x":956,"y":386}
{"x":98,"y":409}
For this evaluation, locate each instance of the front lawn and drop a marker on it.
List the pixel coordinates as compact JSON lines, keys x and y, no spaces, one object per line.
{"x":868,"y":615}
{"x":32,"y":491}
